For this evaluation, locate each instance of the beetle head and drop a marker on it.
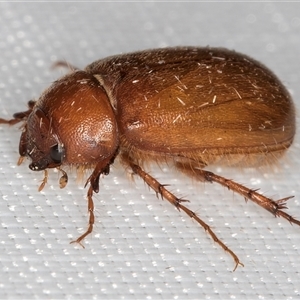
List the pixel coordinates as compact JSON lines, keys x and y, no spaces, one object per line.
{"x":72,"y":123}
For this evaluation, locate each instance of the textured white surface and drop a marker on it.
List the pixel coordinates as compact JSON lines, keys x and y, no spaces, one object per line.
{"x":141,"y":247}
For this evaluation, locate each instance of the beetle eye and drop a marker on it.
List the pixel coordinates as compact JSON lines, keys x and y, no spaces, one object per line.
{"x":57,"y":153}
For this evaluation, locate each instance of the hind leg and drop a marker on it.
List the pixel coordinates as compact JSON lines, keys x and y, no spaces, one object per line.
{"x":274,"y":207}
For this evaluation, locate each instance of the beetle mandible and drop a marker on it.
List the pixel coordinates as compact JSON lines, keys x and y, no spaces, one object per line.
{"x":187,"y":106}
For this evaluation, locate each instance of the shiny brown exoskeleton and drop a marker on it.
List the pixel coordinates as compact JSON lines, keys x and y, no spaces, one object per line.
{"x":190,"y":107}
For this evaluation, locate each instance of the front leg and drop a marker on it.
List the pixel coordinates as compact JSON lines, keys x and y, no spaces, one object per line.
{"x":91,"y":217}
{"x":167,"y":195}
{"x":93,"y":181}
{"x":19,"y":116}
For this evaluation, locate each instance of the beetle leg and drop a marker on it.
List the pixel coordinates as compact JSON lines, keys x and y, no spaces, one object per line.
{"x":274,"y":207}
{"x":101,"y":168}
{"x":167,"y":195}
{"x":91,"y":215}
{"x":91,"y":218}
{"x":10,"y":122}
{"x":20,"y":116}
{"x":64,"y":64}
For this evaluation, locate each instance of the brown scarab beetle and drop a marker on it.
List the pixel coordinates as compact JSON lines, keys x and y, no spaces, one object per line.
{"x":190,"y":107}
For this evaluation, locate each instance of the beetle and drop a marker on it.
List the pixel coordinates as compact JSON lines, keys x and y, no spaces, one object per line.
{"x":190,"y":107}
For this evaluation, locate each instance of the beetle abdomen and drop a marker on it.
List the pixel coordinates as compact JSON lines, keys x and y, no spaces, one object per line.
{"x":191,"y":101}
